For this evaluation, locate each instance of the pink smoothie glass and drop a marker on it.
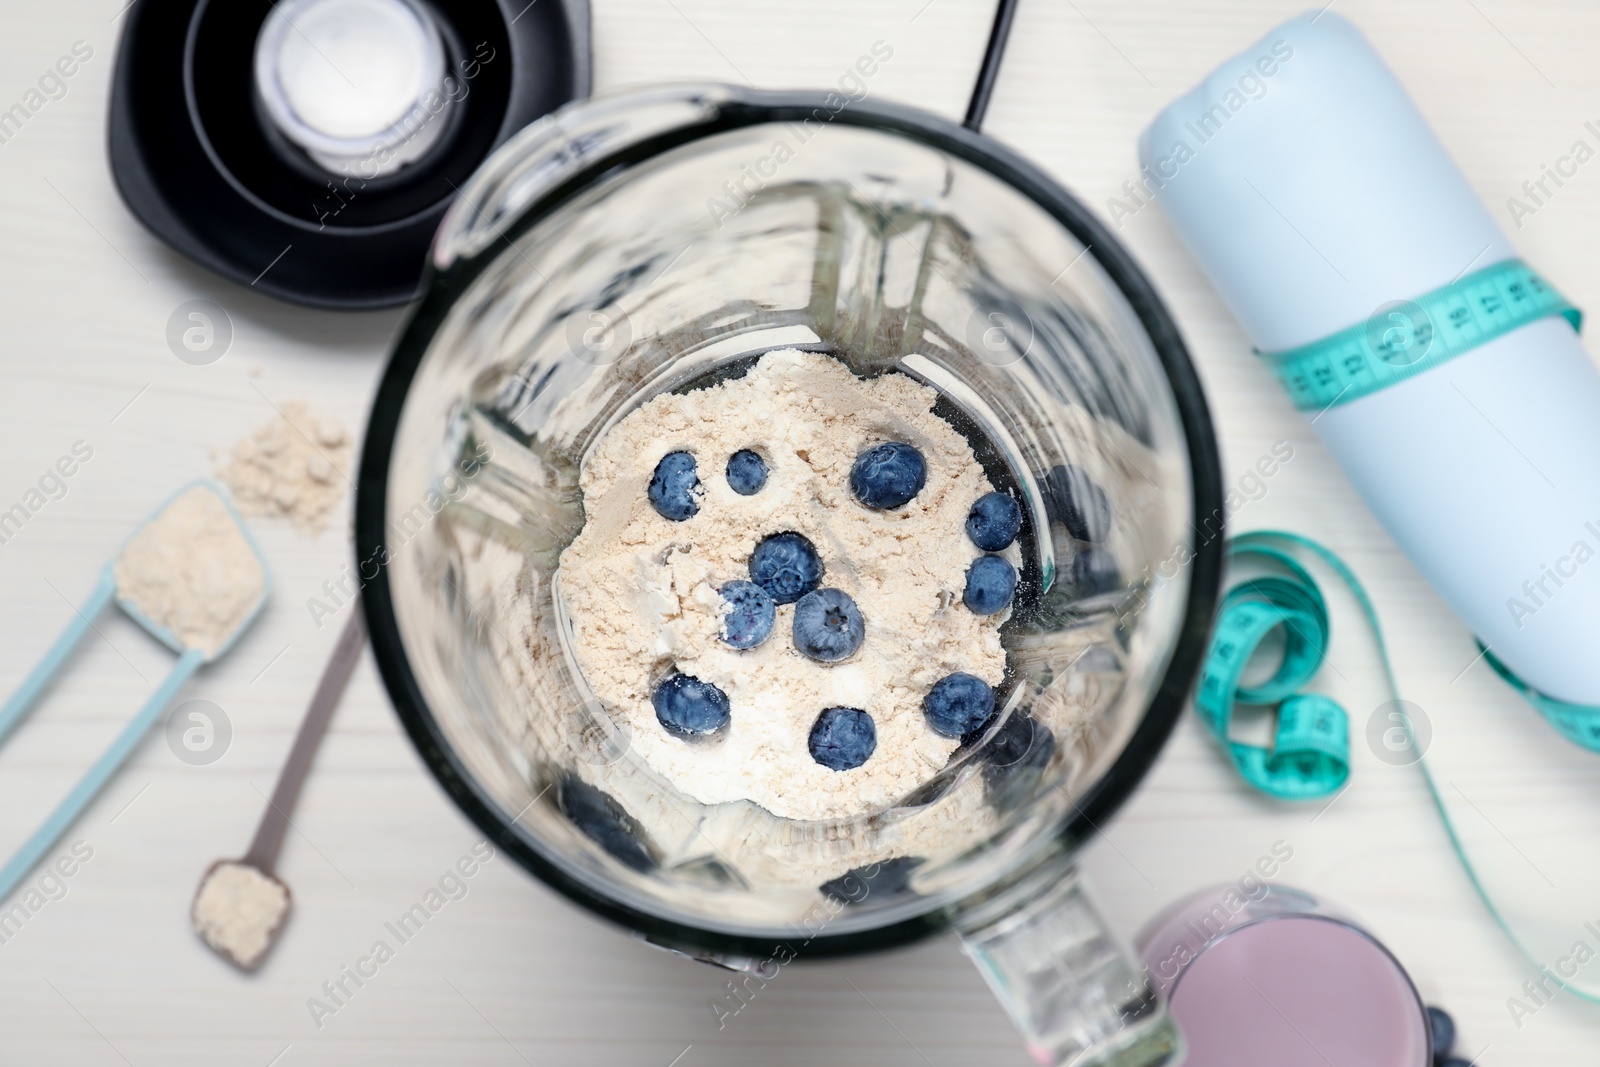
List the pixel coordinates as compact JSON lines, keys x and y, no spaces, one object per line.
{"x":1260,"y":976}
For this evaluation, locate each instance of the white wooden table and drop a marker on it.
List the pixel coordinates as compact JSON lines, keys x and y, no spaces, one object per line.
{"x":109,"y":972}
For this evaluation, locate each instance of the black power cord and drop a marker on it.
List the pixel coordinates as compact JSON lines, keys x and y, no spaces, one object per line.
{"x":1005,"y":11}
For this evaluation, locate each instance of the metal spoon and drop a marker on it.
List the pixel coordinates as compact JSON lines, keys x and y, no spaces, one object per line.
{"x":258,"y":900}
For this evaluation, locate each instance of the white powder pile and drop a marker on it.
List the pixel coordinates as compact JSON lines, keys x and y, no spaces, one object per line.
{"x":238,"y":910}
{"x":641,"y":591}
{"x":191,"y":570}
{"x":294,"y":466}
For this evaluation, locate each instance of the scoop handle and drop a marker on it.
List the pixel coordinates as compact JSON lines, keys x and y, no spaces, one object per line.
{"x":90,"y":784}
{"x":264,"y":848}
{"x":52,"y":662}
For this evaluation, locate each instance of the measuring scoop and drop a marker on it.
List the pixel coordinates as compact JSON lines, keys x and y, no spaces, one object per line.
{"x":205,"y":546}
{"x":241,"y":905}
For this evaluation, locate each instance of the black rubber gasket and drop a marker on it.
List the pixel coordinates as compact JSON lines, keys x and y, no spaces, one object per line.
{"x":749,"y":109}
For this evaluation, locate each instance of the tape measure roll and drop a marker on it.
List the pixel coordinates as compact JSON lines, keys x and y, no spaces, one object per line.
{"x":1310,"y":755}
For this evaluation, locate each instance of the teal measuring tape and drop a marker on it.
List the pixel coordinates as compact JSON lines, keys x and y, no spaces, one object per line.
{"x":1405,"y":338}
{"x":1578,"y":723}
{"x":1319,"y":761}
{"x":1310,"y":756}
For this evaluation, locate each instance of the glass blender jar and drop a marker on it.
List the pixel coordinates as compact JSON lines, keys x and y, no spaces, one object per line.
{"x":657,"y":240}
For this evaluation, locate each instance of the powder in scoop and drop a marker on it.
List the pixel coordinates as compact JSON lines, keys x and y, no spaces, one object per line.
{"x":191,"y":570}
{"x":238,"y":910}
{"x":292,"y":466}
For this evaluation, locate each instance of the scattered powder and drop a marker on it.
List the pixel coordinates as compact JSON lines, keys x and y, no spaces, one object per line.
{"x":238,"y":910}
{"x":293,"y":466}
{"x":191,"y":570}
{"x":640,"y":590}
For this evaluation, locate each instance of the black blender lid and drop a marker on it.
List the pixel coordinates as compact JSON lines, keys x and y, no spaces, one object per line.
{"x":198,"y":161}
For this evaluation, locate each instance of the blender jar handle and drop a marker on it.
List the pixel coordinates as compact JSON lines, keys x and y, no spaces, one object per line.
{"x":1071,"y":987}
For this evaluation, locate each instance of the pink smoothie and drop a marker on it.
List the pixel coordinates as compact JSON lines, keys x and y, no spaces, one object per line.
{"x":1298,"y":991}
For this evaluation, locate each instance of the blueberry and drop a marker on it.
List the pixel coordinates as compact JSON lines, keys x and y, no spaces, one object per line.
{"x":747,"y":473}
{"x":994,"y":521}
{"x":689,"y":707}
{"x":1071,"y":499}
{"x":888,"y":475}
{"x":786,"y":566}
{"x":1444,"y":1032}
{"x":886,"y":879}
{"x":673,"y":485}
{"x":1014,"y":758}
{"x":843,"y":739}
{"x":748,"y":614}
{"x":1093,"y":571}
{"x":991,"y":582}
{"x":958,"y":704}
{"x":605,"y":822}
{"x":828,"y":625}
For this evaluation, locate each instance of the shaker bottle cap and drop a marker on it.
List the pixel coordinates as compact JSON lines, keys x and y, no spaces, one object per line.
{"x":1310,"y":188}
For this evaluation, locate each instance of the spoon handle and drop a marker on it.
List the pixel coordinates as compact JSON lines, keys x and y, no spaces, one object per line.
{"x":89,"y":786}
{"x":263,"y":852}
{"x":82,"y":621}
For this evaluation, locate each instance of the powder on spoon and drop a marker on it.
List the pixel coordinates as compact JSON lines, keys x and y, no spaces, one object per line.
{"x":238,"y":910}
{"x":191,"y":570}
